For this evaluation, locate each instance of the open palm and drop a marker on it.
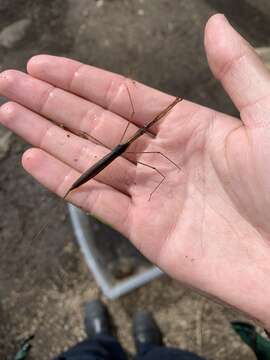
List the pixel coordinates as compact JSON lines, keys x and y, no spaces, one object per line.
{"x":207,"y":224}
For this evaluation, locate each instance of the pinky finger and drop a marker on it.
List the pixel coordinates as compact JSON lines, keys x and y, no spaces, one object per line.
{"x":100,"y":200}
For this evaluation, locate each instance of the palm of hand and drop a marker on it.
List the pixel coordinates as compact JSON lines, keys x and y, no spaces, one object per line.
{"x":209,"y":209}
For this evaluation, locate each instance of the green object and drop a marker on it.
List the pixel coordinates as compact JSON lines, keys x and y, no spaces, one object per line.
{"x":248,"y":333}
{"x":25,"y":348}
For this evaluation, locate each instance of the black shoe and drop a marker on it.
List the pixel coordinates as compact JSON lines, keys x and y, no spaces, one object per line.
{"x":96,"y":320}
{"x":145,"y":330}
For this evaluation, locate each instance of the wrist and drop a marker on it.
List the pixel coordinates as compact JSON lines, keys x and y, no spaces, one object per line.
{"x":241,"y":282}
{"x":246,"y":286}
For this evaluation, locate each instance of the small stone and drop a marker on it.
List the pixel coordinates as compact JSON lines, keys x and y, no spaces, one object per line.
{"x":5,"y":142}
{"x":170,"y":27}
{"x":264,"y":53}
{"x":140,"y":12}
{"x":99,"y":3}
{"x":123,"y":268}
{"x":13,"y":33}
{"x":69,"y":248}
{"x":85,"y":12}
{"x":107,"y":43}
{"x":63,"y":217}
{"x":82,"y":28}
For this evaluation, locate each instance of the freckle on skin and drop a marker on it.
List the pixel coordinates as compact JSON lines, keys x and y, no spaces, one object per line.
{"x":6,"y":110}
{"x":4,"y":76}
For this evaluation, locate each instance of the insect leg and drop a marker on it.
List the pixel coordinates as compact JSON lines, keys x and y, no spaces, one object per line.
{"x":155,"y":152}
{"x":132,"y":114}
{"x":159,"y":172}
{"x":81,"y":134}
{"x":131,"y":102}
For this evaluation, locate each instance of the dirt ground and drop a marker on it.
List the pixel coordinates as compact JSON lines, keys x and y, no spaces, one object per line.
{"x":43,"y":283}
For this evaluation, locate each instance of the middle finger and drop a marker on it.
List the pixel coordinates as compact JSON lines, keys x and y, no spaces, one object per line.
{"x":66,"y":108}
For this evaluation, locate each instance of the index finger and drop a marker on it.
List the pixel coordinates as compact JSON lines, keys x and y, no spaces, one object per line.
{"x":109,"y":90}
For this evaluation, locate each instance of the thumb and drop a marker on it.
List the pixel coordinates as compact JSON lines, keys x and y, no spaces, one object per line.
{"x":237,"y":66}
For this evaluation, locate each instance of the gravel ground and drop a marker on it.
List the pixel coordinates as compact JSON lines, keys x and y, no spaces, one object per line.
{"x":44,"y":283}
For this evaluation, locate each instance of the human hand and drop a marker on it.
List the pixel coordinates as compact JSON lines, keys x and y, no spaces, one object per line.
{"x":208,"y":224}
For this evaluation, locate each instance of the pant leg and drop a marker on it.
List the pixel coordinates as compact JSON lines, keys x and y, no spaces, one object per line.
{"x":101,"y":348}
{"x":165,"y":353}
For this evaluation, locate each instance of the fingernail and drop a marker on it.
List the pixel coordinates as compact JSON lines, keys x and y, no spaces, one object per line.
{"x":225,"y":18}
